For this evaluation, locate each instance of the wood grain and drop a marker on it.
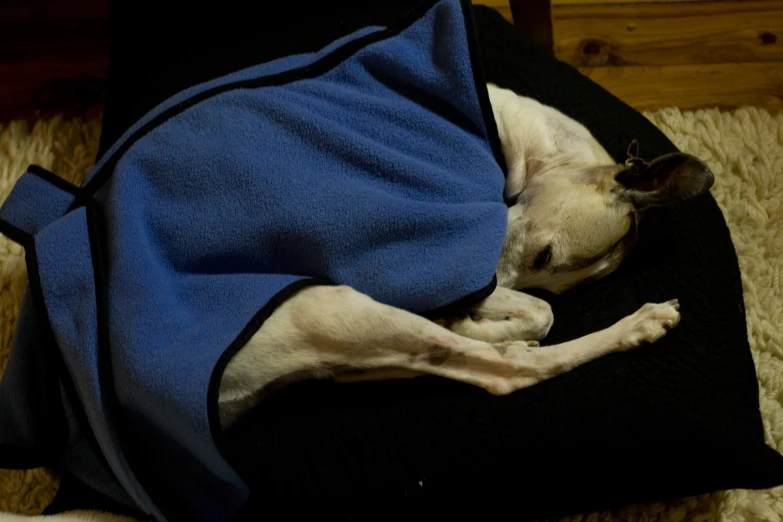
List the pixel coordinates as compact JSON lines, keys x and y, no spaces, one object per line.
{"x":605,"y":2}
{"x":694,"y":86}
{"x":669,"y":33}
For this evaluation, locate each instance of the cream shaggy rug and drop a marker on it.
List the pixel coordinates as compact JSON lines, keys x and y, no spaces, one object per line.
{"x":744,"y":149}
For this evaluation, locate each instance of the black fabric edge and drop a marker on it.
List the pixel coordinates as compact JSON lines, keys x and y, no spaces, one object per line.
{"x":481,"y":86}
{"x":15,"y":234}
{"x":95,"y":229}
{"x":20,"y":236}
{"x":493,"y":137}
{"x":255,"y":323}
{"x":21,"y":458}
{"x":47,"y":458}
{"x":312,"y":70}
{"x":66,"y":377}
{"x":53,"y":179}
{"x":12,"y":456}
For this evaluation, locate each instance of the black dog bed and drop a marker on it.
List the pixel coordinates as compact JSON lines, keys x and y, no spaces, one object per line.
{"x":674,"y":419}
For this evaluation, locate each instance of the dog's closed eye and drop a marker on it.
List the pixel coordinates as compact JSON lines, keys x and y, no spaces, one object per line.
{"x":543,"y":258}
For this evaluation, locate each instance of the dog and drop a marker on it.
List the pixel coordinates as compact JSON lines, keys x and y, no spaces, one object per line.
{"x":572,"y":218}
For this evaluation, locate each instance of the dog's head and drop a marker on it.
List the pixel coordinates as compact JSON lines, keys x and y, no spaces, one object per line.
{"x":575,"y":223}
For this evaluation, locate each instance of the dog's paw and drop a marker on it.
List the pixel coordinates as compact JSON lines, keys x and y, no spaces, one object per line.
{"x":648,"y":324}
{"x":503,"y":347}
{"x":509,"y":328}
{"x":506,"y":315}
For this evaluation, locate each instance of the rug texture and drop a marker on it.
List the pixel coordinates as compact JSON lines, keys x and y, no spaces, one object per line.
{"x":744,"y":148}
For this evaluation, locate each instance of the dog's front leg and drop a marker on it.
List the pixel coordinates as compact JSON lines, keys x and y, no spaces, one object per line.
{"x":325,"y":331}
{"x":523,"y":366}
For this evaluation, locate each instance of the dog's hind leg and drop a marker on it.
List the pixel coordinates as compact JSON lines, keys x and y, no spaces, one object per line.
{"x":324,"y":331}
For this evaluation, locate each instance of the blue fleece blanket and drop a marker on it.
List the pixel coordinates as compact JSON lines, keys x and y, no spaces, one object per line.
{"x":372,"y":163}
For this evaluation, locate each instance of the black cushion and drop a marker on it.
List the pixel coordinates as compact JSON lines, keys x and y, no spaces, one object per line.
{"x":677,"y":418}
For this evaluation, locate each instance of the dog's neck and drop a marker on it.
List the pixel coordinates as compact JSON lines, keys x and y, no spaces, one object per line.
{"x":536,"y":138}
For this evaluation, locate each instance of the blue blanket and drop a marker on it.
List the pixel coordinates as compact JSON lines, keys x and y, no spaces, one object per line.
{"x":372,"y":163}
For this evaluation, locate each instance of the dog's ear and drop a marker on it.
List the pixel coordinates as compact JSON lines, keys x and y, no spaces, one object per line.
{"x":665,"y":180}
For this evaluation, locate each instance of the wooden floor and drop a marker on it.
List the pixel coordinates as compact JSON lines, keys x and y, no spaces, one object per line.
{"x":657,"y":53}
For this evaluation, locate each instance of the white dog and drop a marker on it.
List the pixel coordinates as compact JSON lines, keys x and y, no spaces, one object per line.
{"x":573,"y":219}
